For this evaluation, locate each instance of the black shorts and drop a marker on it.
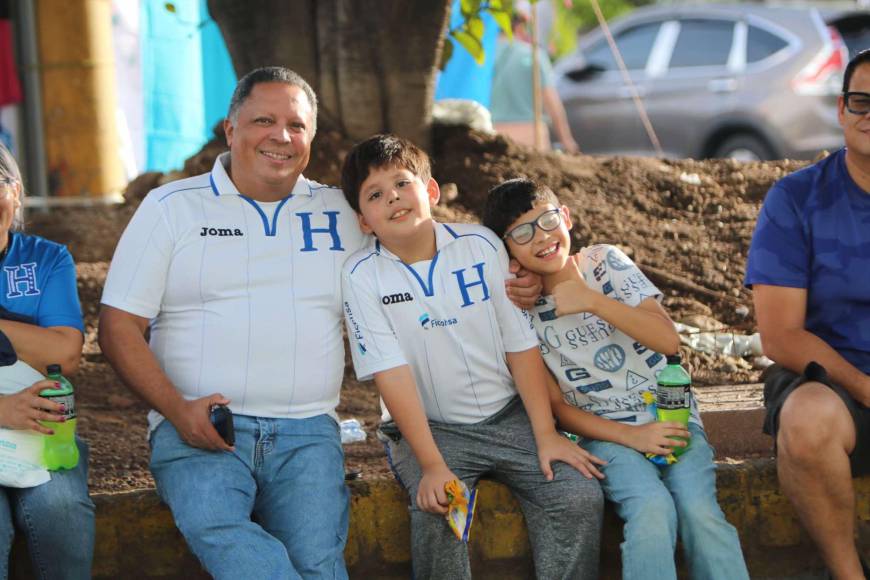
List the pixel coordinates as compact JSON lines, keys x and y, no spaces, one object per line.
{"x":780,"y":382}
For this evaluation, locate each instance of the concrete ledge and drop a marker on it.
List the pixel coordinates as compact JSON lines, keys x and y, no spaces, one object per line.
{"x":136,"y":536}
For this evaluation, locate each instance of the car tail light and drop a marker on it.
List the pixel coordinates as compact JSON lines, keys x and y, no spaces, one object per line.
{"x":824,"y":73}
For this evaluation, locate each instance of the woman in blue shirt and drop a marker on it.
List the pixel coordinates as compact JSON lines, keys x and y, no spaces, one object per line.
{"x":41,"y":321}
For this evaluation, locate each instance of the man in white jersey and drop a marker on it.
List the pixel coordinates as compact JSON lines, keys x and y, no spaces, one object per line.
{"x":237,"y":275}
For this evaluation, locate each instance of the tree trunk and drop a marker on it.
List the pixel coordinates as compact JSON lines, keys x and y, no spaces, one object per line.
{"x":372,"y":63}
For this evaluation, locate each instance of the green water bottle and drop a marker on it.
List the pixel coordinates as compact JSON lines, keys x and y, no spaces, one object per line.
{"x":674,"y":396}
{"x":60,"y":450}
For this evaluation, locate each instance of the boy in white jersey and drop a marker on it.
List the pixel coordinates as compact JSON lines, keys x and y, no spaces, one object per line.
{"x":602,"y":332}
{"x":429,"y":320}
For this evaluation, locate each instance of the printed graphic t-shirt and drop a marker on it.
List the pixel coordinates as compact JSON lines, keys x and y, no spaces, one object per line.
{"x":599,"y":368}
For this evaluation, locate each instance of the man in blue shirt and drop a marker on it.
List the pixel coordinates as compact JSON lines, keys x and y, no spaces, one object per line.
{"x":809,"y":269}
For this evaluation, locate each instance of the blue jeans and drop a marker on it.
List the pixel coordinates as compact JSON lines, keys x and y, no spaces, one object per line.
{"x":57,"y":518}
{"x":653,"y":500}
{"x":286,"y":474}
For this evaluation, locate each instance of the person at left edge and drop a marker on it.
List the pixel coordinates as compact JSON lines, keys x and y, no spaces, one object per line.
{"x":237,"y":274}
{"x":40,"y":324}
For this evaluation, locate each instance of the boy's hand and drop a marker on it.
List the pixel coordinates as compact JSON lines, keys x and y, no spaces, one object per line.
{"x":574,"y":295}
{"x":525,"y":289}
{"x":431,"y":496}
{"x":655,"y":437}
{"x":554,"y":447}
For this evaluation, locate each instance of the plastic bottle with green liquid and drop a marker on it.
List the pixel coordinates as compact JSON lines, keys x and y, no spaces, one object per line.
{"x":674,"y":396}
{"x":60,"y":450}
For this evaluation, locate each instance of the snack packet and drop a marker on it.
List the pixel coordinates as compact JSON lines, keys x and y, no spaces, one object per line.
{"x":460,"y":512}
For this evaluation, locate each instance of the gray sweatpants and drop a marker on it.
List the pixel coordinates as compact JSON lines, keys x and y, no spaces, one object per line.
{"x":563,"y":516}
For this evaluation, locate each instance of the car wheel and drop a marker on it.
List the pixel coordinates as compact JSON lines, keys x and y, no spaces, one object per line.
{"x":743,"y":147}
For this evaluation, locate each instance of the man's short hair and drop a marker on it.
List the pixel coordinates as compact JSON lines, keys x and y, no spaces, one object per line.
{"x":862,"y":57}
{"x":509,"y":200}
{"x":377,"y":152}
{"x":270,"y":74}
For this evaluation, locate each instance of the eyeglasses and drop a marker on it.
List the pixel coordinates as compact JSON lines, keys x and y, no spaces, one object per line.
{"x":6,"y":185}
{"x":857,"y":103}
{"x":547,"y":221}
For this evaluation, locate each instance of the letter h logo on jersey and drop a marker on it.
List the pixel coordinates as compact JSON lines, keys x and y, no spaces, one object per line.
{"x":464,"y":286}
{"x":308,"y":231}
{"x":21,"y":280}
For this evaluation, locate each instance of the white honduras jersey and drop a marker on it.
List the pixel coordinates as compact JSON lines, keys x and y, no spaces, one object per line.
{"x":601,"y":369}
{"x":449,"y":318}
{"x":243,"y":296}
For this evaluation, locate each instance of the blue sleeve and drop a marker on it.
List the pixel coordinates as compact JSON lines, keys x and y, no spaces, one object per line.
{"x":59,"y":305}
{"x":779,"y":254}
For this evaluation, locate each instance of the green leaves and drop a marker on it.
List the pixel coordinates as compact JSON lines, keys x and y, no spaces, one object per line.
{"x":446,"y":53}
{"x":469,"y":33}
{"x":472,"y":44}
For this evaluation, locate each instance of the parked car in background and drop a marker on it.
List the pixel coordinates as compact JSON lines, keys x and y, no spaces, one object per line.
{"x":747,"y":81}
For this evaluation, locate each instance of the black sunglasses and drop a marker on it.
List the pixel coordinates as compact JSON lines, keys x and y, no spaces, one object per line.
{"x":856,"y":102}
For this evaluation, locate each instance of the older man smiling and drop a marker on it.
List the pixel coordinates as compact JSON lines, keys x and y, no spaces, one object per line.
{"x":236,"y":272}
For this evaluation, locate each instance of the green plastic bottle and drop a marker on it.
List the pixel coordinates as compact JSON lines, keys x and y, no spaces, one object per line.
{"x":60,"y":450}
{"x":674,"y":396}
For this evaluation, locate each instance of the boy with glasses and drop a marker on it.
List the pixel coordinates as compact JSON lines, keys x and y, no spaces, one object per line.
{"x":429,"y":320}
{"x":603,"y":334}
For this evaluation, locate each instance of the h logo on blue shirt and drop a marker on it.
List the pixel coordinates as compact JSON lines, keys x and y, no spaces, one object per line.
{"x":463,"y":286}
{"x":21,"y":280}
{"x":331,"y":229}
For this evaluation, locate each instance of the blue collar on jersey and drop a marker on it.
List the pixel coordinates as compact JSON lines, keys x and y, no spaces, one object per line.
{"x":221,"y":184}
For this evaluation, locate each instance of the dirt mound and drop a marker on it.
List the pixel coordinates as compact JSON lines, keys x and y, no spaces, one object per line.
{"x":686,"y":223}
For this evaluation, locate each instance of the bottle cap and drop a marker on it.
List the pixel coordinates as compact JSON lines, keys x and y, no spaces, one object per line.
{"x":674,"y":359}
{"x":54,"y":369}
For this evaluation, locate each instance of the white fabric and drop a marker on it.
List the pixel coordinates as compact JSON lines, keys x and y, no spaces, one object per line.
{"x":455,"y":343}
{"x":17,"y":377}
{"x":22,"y":463}
{"x":243,"y":298}
{"x":601,"y":369}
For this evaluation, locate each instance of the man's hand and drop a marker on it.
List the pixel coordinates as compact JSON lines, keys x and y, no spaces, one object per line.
{"x":191,"y":420}
{"x":655,"y":437}
{"x":25,"y":409}
{"x":525,"y":289}
{"x":574,"y":295}
{"x":431,"y":496}
{"x":554,"y":447}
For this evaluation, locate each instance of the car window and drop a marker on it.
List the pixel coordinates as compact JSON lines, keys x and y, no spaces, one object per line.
{"x":634,"y":45}
{"x":855,"y":30}
{"x":703,"y":42}
{"x":760,"y":44}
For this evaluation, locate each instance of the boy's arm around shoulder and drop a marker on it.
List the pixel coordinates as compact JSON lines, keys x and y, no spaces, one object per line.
{"x":648,"y":322}
{"x":530,"y":375}
{"x":648,"y":438}
{"x":523,"y":287}
{"x":398,"y":390}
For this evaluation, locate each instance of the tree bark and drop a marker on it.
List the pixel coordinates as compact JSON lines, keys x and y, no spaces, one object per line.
{"x":372,"y":63}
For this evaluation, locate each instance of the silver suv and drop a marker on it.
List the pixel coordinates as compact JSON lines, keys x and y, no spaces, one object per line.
{"x":744,"y":81}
